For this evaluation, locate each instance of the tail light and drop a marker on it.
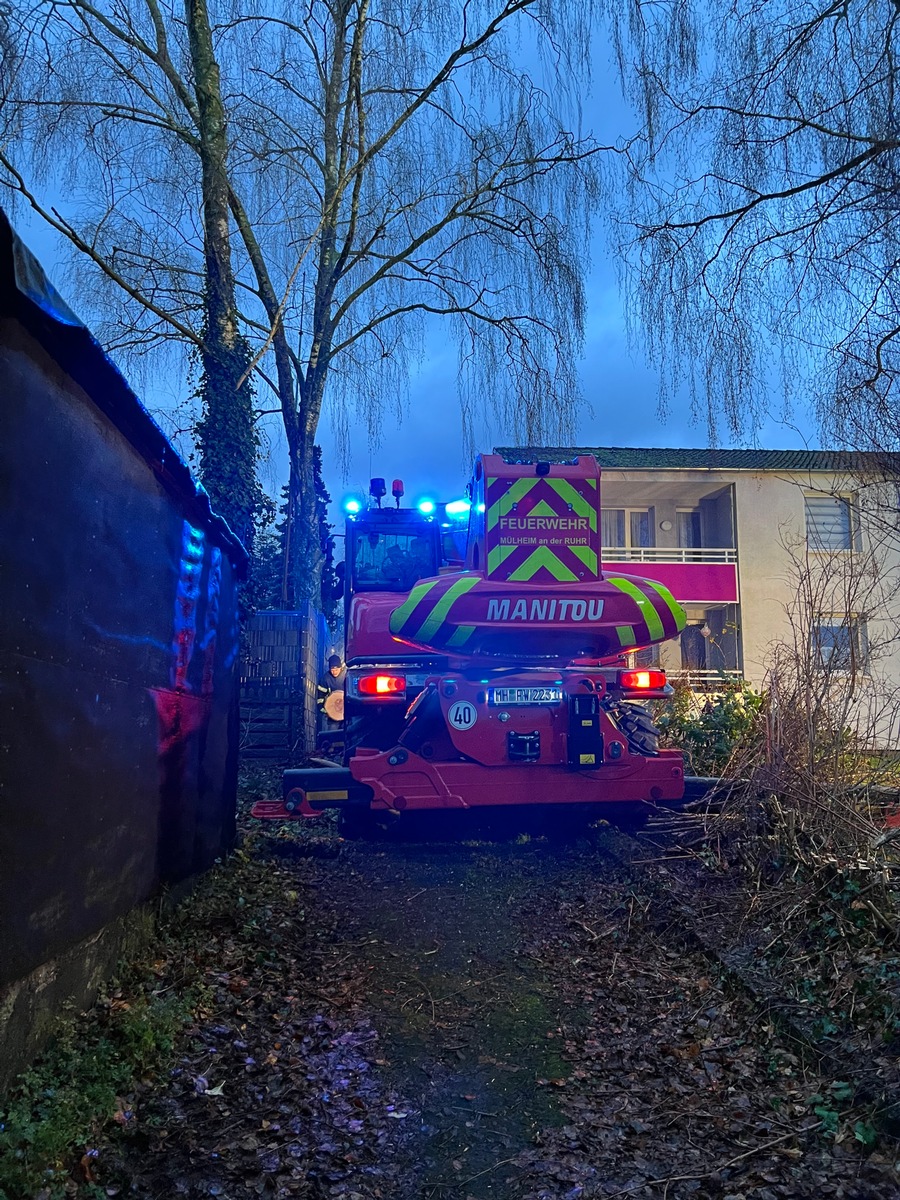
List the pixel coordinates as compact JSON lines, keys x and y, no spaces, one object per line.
{"x":642,"y":681}
{"x":388,"y":686}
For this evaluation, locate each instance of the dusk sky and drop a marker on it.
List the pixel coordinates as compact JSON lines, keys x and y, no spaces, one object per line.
{"x":426,"y":450}
{"x":619,"y":387}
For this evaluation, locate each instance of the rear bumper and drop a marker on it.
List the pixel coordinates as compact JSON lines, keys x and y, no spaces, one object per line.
{"x":373,"y":782}
{"x":418,"y":784}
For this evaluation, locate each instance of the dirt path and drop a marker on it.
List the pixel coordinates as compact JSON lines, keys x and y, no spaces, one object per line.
{"x":513,"y":1020}
{"x":470,"y":1022}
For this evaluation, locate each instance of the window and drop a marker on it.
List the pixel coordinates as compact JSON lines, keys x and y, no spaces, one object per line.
{"x":392,"y":561}
{"x":688,"y":527}
{"x":839,"y":643}
{"x":829,"y":524}
{"x":693,"y":647}
{"x":612,"y":526}
{"x":648,"y":657}
{"x":627,"y":528}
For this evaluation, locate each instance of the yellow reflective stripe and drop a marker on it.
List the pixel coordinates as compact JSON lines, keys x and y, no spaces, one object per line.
{"x":626,"y":635}
{"x":460,"y":635}
{"x":671,"y":603}
{"x":543,"y":557}
{"x":543,"y":509}
{"x":497,"y":555}
{"x":401,"y":615}
{"x":587,"y":556}
{"x":569,"y":495}
{"x":320,"y":796}
{"x":501,"y":507}
{"x":649,"y":614}
{"x":436,"y":617}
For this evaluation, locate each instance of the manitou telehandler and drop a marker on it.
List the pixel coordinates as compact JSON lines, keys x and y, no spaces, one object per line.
{"x":499,"y":677}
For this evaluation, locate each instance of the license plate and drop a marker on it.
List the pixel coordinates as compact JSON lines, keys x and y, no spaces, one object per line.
{"x":524,"y":695}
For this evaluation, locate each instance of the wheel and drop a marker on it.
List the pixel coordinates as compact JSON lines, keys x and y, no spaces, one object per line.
{"x":636,"y":722}
{"x":356,"y":823}
{"x":629,"y":818}
{"x":633,"y":818}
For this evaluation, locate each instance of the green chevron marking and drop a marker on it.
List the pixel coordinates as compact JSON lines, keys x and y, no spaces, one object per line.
{"x":401,"y":615}
{"x":626,"y":635}
{"x":671,"y":603}
{"x":543,"y":557}
{"x":497,"y":555}
{"x":543,"y":509}
{"x":569,"y":495}
{"x":436,"y":617}
{"x":649,"y":614}
{"x":587,"y":556}
{"x":460,"y":635}
{"x":501,"y":507}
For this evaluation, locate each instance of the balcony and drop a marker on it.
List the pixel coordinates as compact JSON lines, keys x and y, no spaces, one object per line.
{"x":704,"y":681}
{"x":669,"y":554}
{"x":693,"y":574}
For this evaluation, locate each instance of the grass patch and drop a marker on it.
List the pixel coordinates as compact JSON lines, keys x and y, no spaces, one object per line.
{"x":81,"y":1084}
{"x":102,"y":1063}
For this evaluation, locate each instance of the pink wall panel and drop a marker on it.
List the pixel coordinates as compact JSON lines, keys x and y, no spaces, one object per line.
{"x":714,"y":583}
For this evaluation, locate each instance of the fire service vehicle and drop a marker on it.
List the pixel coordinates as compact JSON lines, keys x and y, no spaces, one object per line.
{"x":495,"y":672}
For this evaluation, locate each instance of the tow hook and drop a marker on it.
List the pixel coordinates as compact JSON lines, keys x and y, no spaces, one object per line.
{"x":296,"y":802}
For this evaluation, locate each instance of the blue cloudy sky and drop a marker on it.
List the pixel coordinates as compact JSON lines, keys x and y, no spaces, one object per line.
{"x":426,"y":449}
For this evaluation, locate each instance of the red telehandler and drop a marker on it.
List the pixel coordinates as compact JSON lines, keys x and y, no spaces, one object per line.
{"x":500,"y":679}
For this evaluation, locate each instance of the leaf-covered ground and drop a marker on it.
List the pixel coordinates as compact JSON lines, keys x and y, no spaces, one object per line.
{"x":419,"y":1020}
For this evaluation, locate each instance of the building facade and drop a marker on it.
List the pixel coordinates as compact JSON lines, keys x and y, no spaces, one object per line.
{"x":768,"y":551}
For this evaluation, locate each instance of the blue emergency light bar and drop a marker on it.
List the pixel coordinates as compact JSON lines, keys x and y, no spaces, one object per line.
{"x":458,"y":508}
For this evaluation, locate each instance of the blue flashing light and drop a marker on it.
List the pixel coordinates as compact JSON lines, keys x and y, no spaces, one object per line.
{"x":352,"y":506}
{"x":479,"y":508}
{"x":458,"y":508}
{"x":426,"y":507}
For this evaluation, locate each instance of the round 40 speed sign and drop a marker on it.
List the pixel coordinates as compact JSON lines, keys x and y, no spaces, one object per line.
{"x":463,"y":714}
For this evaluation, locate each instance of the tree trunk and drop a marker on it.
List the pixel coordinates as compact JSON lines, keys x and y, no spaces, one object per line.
{"x":305,"y":543}
{"x":307,"y":559}
{"x":226,"y":435}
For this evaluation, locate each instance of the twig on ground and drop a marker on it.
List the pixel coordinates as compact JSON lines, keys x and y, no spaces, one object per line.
{"x":715,"y":1170}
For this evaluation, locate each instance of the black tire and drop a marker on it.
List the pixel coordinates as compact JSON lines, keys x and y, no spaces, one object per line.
{"x":629,"y":818}
{"x":355,"y":824}
{"x":361,"y":824}
{"x":636,"y":722}
{"x":634,"y":818}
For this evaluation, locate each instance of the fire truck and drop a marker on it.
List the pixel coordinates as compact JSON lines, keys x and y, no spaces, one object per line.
{"x":497,"y":669}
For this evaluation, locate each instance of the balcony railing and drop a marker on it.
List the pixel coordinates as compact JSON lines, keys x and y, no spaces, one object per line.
{"x":705,"y":681}
{"x":669,"y":554}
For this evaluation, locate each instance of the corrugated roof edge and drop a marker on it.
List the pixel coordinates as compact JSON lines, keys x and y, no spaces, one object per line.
{"x":31,"y":297}
{"x":661,"y":458}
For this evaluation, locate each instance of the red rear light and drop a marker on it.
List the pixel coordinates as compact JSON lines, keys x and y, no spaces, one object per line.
{"x":642,"y":680}
{"x":381,"y":685}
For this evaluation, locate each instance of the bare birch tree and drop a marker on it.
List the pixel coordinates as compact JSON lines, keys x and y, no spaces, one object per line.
{"x":761,"y":219}
{"x":384,"y":164}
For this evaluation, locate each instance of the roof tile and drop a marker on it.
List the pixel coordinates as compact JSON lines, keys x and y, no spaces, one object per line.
{"x":661,"y":458}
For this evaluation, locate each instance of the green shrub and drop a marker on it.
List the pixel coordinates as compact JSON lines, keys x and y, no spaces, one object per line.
{"x":712,"y":730}
{"x":77,"y":1085}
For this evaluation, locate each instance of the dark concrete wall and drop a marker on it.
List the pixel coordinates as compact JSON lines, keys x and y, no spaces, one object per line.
{"x":118,"y":694}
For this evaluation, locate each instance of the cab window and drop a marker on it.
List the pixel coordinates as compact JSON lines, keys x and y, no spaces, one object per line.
{"x":392,"y":562}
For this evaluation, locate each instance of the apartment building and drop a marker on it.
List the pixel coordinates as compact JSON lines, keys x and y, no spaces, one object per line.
{"x":763,"y":548}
